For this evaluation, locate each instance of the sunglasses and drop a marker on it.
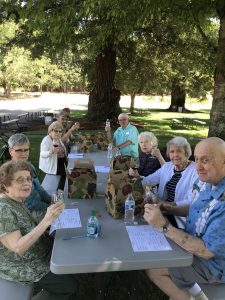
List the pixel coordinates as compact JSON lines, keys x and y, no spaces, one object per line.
{"x":57,"y":131}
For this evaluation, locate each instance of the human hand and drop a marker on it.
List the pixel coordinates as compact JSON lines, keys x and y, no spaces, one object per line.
{"x":133,"y":172}
{"x":53,"y":211}
{"x":153,"y":216}
{"x":167,"y":208}
{"x":155,"y":152}
{"x":107,"y":128}
{"x":75,"y":126}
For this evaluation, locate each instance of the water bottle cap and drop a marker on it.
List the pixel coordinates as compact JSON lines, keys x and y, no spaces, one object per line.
{"x":93,"y":213}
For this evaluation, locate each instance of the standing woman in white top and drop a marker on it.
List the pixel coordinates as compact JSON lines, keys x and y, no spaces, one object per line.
{"x":53,"y":156}
{"x":175,"y":178}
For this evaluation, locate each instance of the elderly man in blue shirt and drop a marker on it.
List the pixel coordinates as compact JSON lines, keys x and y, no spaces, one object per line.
{"x":204,"y":231}
{"x":125,"y":138}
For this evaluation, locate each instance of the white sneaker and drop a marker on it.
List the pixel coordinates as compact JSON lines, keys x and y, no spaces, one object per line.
{"x":201,"y":296}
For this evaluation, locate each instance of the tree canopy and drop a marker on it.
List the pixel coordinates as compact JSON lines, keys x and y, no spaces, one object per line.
{"x":175,"y":43}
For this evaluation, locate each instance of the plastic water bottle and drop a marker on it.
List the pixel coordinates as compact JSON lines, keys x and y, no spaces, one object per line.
{"x":110,"y":153}
{"x":93,"y":226}
{"x":129,"y":210}
{"x":107,"y":123}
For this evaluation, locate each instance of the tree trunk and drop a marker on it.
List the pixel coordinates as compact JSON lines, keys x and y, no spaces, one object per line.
{"x":8,"y":90}
{"x":178,"y":95}
{"x":217,"y":114}
{"x":104,"y":98}
{"x":132,"y":98}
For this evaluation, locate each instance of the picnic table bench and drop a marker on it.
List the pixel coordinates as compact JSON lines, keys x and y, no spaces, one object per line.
{"x":199,"y":123}
{"x":25,"y":115}
{"x":9,"y":125}
{"x":176,"y":122}
{"x":10,"y":122}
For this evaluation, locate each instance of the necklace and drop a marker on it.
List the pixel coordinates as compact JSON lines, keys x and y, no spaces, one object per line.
{"x":185,"y":165}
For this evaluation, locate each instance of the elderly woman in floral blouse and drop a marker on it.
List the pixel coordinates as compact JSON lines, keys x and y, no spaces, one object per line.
{"x":25,"y":249}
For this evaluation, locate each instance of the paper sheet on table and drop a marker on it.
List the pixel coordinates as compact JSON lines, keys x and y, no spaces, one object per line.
{"x":75,"y":155}
{"x":69,"y":218}
{"x":102,"y":169}
{"x":146,"y":238}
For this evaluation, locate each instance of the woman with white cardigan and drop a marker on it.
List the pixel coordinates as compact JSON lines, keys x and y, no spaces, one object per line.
{"x":175,"y":178}
{"x":53,"y":156}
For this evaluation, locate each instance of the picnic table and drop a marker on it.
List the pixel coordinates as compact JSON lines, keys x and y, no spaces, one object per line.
{"x":7,"y":124}
{"x":25,"y":115}
{"x":112,"y":251}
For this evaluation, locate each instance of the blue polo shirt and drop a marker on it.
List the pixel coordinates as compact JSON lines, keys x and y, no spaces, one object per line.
{"x":122,"y":135}
{"x":213,"y":230}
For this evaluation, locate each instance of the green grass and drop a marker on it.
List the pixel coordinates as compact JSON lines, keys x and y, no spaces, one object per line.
{"x":133,"y":284}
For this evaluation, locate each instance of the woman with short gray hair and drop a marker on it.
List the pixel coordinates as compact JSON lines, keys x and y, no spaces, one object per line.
{"x":150,"y":157}
{"x":38,"y":200}
{"x":175,"y":178}
{"x":18,"y":139}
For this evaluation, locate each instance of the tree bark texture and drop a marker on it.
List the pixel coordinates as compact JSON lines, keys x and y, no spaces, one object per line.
{"x":104,"y":98}
{"x":132,"y":98}
{"x":217,"y":114}
{"x":178,"y":95}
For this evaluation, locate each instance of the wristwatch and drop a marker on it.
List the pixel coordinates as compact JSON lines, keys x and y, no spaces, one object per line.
{"x":166,"y":227}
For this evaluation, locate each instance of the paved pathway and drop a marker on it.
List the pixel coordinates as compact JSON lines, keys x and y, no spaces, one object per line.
{"x":51,"y":101}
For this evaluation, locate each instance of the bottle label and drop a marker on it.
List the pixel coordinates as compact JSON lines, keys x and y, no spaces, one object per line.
{"x":91,"y":230}
{"x":129,"y":206}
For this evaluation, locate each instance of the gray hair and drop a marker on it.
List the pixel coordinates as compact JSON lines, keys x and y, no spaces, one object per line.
{"x":55,"y":125}
{"x":18,"y":139}
{"x":147,"y":134}
{"x":181,"y":142}
{"x":62,"y":114}
{"x":124,"y":116}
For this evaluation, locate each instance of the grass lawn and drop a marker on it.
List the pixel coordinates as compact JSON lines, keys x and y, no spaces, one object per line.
{"x":128,"y":285}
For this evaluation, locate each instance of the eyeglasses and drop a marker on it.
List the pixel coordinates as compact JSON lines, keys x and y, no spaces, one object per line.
{"x":22,"y":180}
{"x":57,"y":131}
{"x":122,"y":120}
{"x":21,"y":150}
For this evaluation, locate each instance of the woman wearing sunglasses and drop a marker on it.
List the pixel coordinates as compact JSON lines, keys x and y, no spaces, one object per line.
{"x":53,"y":156}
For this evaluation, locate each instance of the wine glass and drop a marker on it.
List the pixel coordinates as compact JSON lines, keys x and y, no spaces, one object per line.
{"x":135,"y":163}
{"x":60,"y":195}
{"x":54,"y":200}
{"x":55,"y":143}
{"x":154,"y":148}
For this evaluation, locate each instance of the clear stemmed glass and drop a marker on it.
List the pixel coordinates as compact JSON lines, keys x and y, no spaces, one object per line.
{"x":54,"y":200}
{"x":135,"y":163}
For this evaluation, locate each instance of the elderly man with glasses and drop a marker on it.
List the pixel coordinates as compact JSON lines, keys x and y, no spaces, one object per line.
{"x":39,"y":200}
{"x":125,"y":138}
